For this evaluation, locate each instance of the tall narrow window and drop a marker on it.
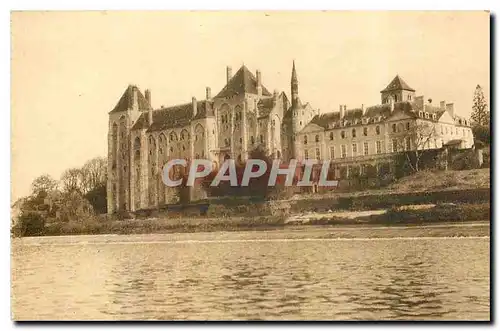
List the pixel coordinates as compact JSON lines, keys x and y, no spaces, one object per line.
{"x":407,"y":144}
{"x":342,"y":134}
{"x":261,"y":139}
{"x":365,"y":148}
{"x":331,"y":135}
{"x":379,"y":147}
{"x":377,"y":129}
{"x":318,"y":154}
{"x":332,"y":152}
{"x":394,"y":127}
{"x":344,"y":151}
{"x":407,"y":126}
{"x":354,"y":149}
{"x":365,"y":131}
{"x":306,"y":154}
{"x":354,"y":133}
{"x":316,"y":139}
{"x":394,"y":145}
{"x":305,"y":140}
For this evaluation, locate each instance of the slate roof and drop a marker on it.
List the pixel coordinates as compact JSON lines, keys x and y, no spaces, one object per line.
{"x":265,"y":106}
{"x":173,"y":117}
{"x":242,"y":82}
{"x":126,"y":100}
{"x":332,"y":119}
{"x":397,"y":84}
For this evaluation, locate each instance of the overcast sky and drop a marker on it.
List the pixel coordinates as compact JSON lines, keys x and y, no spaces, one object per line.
{"x":70,"y":68}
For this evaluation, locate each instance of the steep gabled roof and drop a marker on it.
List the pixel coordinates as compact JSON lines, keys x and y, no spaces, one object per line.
{"x":175,"y":116}
{"x":126,"y":100}
{"x":397,"y":84}
{"x":242,"y":82}
{"x":330,"y":120}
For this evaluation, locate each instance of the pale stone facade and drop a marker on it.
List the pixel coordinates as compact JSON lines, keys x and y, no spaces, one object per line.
{"x":244,"y":115}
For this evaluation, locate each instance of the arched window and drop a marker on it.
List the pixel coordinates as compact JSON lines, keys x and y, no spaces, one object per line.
{"x":342,"y":134}
{"x":316,"y":139}
{"x":305,"y":140}
{"x":377,"y":129}
{"x":354,"y":133}
{"x":365,"y":131}
{"x":331,"y":135}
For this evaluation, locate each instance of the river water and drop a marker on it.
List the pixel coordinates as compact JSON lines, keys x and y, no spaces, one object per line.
{"x":264,"y":275}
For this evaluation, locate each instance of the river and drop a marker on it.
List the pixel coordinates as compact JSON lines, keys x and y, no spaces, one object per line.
{"x":307,"y":274}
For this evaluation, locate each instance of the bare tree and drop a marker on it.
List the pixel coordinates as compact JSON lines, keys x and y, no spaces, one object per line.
{"x":71,"y":180}
{"x":416,"y":141}
{"x":44,"y":183}
{"x":93,"y":174}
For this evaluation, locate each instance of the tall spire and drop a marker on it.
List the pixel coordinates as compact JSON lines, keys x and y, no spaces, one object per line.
{"x":295,"y":87}
{"x":294,"y":74}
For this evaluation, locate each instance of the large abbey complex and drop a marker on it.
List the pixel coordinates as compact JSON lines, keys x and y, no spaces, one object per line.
{"x":245,"y":115}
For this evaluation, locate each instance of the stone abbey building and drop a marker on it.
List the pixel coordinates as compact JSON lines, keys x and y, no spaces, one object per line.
{"x":245,"y":115}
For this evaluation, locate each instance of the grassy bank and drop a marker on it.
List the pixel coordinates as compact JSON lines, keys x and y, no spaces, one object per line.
{"x":437,"y":214}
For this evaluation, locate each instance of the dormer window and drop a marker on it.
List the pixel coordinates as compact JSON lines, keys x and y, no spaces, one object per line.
{"x":434,"y":116}
{"x":364,"y":120}
{"x":420,"y":114}
{"x":427,"y":115}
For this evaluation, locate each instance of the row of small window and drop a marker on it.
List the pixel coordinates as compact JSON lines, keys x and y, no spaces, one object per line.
{"x":343,"y":134}
{"x":227,"y":141}
{"x":343,"y":150}
{"x":446,"y":130}
{"x":399,"y":127}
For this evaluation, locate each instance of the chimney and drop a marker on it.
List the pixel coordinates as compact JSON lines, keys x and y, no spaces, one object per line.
{"x":229,"y":73}
{"x":195,"y":106}
{"x":450,"y":109}
{"x":275,"y":97}
{"x":135,"y":99}
{"x":342,"y":111}
{"x":208,"y":93}
{"x":442,"y":105}
{"x":147,"y":94}
{"x":259,"y":82}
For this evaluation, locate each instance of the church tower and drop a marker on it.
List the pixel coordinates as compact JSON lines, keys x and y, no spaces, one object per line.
{"x":296,"y":110}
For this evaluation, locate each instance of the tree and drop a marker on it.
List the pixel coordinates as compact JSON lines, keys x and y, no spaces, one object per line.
{"x":74,"y":207}
{"x":416,"y":142}
{"x":93,"y":174}
{"x":71,"y":180}
{"x":480,"y":113}
{"x":43,"y":184}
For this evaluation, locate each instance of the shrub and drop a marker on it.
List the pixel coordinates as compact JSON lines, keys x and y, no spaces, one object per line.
{"x":30,"y":224}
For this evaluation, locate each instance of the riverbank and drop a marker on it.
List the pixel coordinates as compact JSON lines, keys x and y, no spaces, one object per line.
{"x":437,"y":214}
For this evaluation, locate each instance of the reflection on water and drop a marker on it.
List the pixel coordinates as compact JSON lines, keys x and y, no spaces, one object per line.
{"x":167,"y":277}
